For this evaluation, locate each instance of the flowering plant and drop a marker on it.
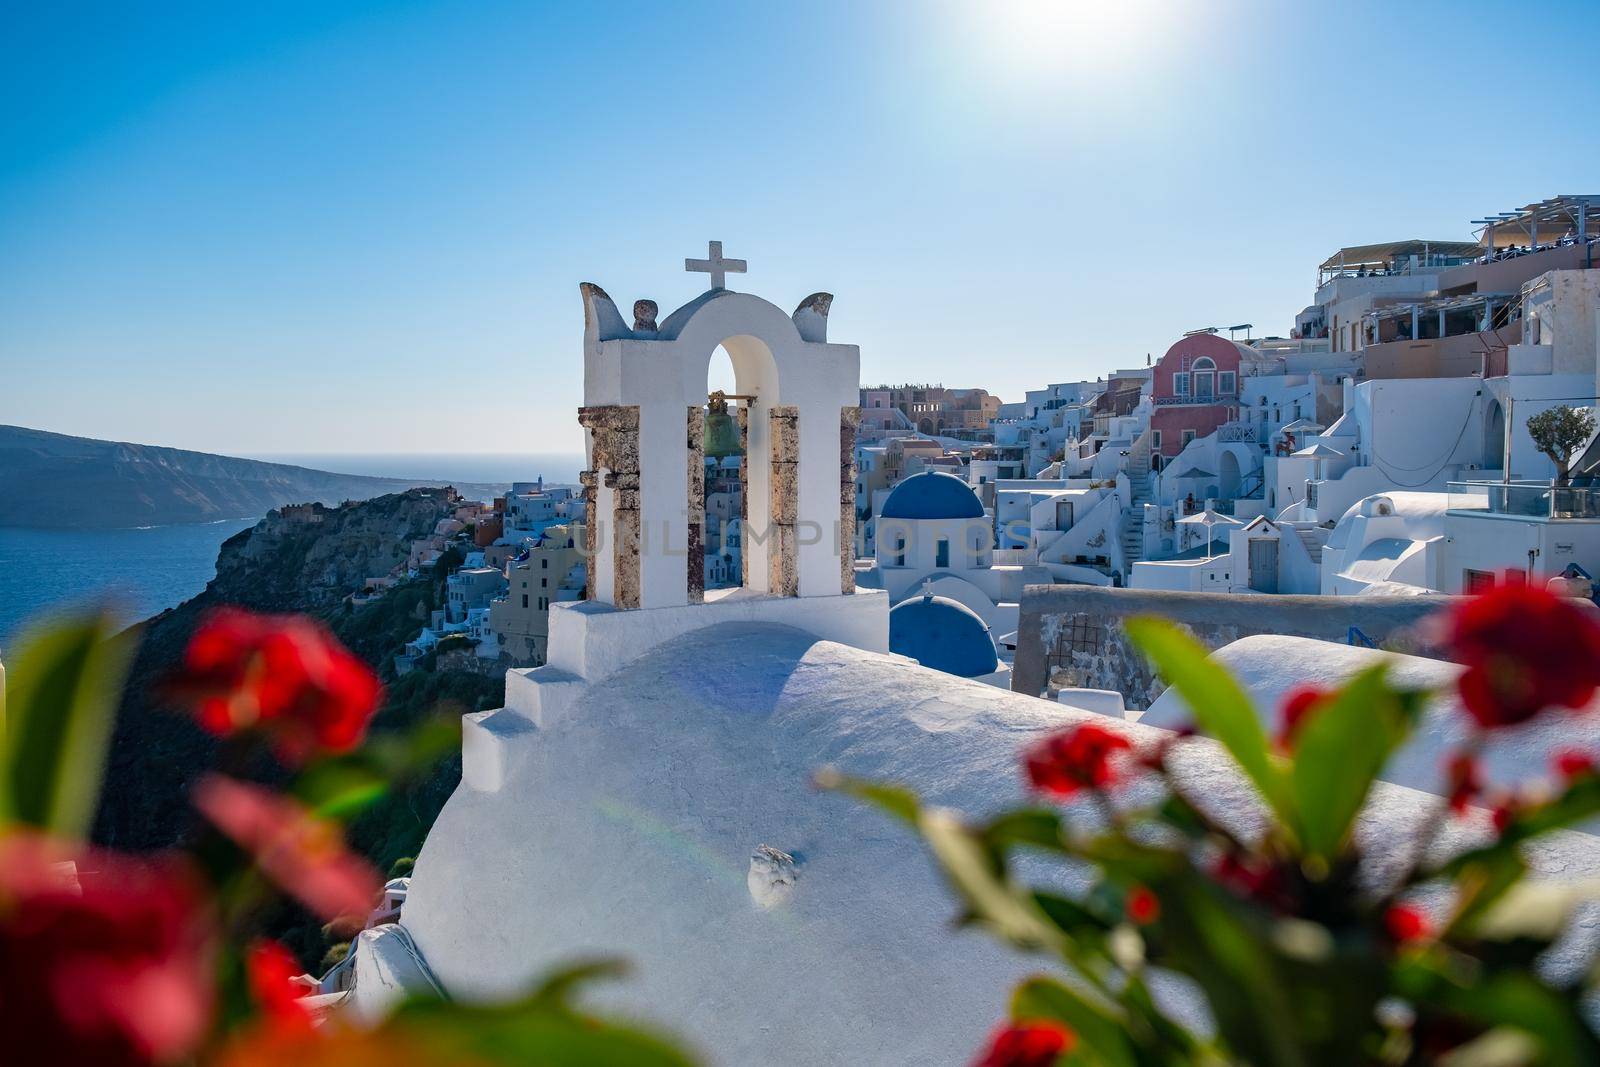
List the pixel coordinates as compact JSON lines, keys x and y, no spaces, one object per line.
{"x":1194,"y":931}
{"x":130,"y":961}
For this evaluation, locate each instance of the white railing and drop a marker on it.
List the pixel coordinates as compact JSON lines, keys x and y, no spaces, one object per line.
{"x":1236,"y":432}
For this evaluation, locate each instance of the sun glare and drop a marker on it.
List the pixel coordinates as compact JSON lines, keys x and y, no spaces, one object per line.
{"x":1053,"y":41}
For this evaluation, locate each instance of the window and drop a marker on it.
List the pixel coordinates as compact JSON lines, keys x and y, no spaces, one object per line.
{"x":1155,"y":439}
{"x":941,"y":553}
{"x":1227,"y":383}
{"x":1186,"y":437}
{"x":1180,"y":383}
{"x":1477,"y":581}
{"x":545,"y":562}
{"x":524,"y":599}
{"x":900,"y":550}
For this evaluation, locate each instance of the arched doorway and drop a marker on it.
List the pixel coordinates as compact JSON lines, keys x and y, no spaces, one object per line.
{"x":723,"y":483}
{"x":1494,"y":438}
{"x":1228,"y":475}
{"x":742,"y":366}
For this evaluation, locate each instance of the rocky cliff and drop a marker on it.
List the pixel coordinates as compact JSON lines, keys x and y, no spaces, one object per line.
{"x":51,"y":479}
{"x":299,"y":560}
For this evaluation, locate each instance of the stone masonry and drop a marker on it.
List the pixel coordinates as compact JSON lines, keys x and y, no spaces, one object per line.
{"x":697,"y":505}
{"x":615,"y":432}
{"x":849,"y":420}
{"x":783,"y":545}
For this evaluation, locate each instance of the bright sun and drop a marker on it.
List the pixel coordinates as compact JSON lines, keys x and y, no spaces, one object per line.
{"x":1042,"y":41}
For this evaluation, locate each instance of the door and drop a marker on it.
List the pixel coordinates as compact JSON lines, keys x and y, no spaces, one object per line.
{"x":1264,"y":564}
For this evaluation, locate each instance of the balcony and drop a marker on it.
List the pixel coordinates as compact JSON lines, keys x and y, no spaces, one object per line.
{"x":1526,"y":500}
{"x":1196,"y":399}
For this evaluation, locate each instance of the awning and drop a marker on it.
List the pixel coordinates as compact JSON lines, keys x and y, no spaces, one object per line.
{"x":1379,"y":255}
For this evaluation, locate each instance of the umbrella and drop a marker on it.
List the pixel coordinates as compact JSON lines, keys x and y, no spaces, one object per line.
{"x":1195,"y":472}
{"x":1300,"y":426}
{"x":1318,"y":452}
{"x":1209,"y":518}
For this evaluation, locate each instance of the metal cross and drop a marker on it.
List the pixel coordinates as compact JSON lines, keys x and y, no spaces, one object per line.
{"x":715,"y":265}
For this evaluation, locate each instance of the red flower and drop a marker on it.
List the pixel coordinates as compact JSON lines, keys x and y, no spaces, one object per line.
{"x":1143,"y":907}
{"x":285,"y":674}
{"x":1297,"y":703}
{"x":1082,"y":757}
{"x":272,"y":970}
{"x":1464,"y":780}
{"x":1405,"y":923}
{"x":1254,"y":879}
{"x":1504,"y":811}
{"x":1036,"y":1043}
{"x":303,"y":854}
{"x":1525,"y":649}
{"x":103,"y":959}
{"x":1572,"y":764}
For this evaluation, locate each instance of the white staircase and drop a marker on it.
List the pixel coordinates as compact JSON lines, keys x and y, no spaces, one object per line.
{"x":1132,"y":527}
{"x":1309,"y":536}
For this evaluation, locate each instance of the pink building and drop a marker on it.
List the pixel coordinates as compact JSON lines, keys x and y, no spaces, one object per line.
{"x":1195,"y":389}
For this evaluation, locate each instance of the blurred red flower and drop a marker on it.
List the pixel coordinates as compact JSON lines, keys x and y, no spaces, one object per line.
{"x":1573,"y":763}
{"x":1143,"y":906}
{"x":271,"y":970}
{"x":1463,"y":780}
{"x":1297,"y":703}
{"x":285,"y":674}
{"x":1406,"y":923}
{"x":1525,"y":649}
{"x":1026,"y":1044}
{"x":104,"y":959}
{"x":1082,"y":757}
{"x":304,"y":855}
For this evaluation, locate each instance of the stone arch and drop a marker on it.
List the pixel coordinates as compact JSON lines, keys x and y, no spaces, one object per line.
{"x":1228,"y":474}
{"x":1494,"y":437}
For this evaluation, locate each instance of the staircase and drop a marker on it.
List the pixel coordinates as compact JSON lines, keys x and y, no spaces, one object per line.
{"x":1308,"y":537}
{"x":1132,"y":528}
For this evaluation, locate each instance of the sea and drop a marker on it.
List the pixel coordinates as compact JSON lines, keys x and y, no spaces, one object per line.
{"x":140,"y":571}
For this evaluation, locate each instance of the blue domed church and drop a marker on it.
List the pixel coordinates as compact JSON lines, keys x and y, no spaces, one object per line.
{"x":935,"y":557}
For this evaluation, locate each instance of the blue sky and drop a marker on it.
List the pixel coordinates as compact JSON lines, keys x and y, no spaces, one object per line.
{"x":321,"y":227}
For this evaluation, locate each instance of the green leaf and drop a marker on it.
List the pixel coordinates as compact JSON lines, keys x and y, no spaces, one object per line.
{"x":1220,"y":707}
{"x":1101,"y":1029}
{"x":543,"y":1029}
{"x":1532,"y":909}
{"x":1030,"y":827}
{"x":63,"y":686}
{"x":897,"y":800}
{"x":971,"y":868}
{"x":1509,"y":998}
{"x":1340,"y":750}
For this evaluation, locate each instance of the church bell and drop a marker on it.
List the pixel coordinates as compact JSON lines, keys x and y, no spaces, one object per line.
{"x":722,"y":432}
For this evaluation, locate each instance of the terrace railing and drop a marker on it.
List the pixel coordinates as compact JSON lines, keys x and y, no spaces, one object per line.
{"x":1526,"y":499}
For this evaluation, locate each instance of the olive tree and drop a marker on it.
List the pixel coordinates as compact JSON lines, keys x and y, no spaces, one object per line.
{"x":1558,"y":432}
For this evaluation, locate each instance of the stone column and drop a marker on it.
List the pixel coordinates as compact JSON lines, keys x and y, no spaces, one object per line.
{"x":615,"y":433}
{"x":697,"y":505}
{"x":783,"y":543}
{"x":744,"y":494}
{"x":849,"y":420}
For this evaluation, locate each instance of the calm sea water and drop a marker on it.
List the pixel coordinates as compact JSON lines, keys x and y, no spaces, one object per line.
{"x":138,"y":572}
{"x":143,"y":571}
{"x":465,"y":467}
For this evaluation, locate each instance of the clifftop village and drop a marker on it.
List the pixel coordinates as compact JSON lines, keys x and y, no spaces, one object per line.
{"x":1383,"y":447}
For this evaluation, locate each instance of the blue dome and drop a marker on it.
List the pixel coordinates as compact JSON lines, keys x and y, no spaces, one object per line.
{"x":932,"y":495}
{"x":940,"y":633}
